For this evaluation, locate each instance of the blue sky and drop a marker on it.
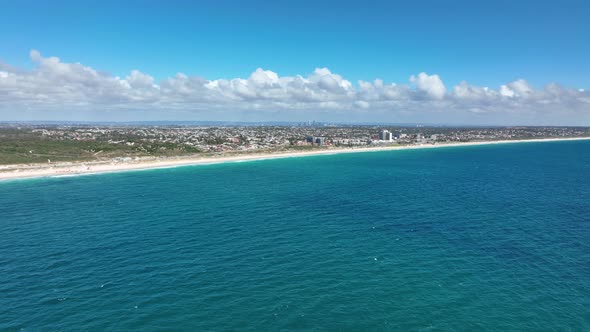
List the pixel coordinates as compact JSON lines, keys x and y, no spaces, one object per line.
{"x":485,"y":43}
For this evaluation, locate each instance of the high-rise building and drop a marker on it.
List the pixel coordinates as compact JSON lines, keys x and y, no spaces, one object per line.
{"x":316,"y":140}
{"x":320,"y":140}
{"x":386,"y":135}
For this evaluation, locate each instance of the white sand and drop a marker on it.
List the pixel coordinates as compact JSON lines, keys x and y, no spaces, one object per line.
{"x":81,"y":168}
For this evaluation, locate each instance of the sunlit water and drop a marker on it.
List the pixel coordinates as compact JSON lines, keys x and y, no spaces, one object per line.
{"x":465,"y":238}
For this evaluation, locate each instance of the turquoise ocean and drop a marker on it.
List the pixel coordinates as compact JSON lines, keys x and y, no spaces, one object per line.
{"x":473,"y":238}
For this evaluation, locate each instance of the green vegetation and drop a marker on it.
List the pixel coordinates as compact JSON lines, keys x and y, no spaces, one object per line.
{"x":19,"y":146}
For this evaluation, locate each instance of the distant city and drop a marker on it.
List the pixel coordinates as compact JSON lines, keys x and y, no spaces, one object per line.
{"x":42,"y":142}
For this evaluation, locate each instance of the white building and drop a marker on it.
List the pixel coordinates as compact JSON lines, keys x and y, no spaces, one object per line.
{"x":386,"y":135}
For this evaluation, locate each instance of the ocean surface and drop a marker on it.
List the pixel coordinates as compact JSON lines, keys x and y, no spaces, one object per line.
{"x":493,"y":238}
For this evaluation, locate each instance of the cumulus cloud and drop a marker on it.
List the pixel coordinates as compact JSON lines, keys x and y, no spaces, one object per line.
{"x":468,"y":92}
{"x":432,"y":85}
{"x":56,"y":85}
{"x":139,"y":80}
{"x":518,"y":88}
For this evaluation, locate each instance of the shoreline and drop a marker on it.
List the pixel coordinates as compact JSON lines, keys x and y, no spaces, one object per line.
{"x":15,"y":172}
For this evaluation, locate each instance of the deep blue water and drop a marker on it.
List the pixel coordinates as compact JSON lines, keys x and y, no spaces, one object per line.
{"x":492,"y":238}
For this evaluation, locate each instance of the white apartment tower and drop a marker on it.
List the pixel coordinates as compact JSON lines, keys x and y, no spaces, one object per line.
{"x":386,"y":135}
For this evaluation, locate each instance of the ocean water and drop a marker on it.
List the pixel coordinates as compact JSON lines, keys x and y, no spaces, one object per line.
{"x":493,"y":238}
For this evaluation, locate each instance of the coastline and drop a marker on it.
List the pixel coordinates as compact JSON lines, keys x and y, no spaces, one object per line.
{"x":13,"y":172}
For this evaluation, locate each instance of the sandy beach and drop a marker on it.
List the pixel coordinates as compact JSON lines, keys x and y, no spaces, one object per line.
{"x":21,"y":171}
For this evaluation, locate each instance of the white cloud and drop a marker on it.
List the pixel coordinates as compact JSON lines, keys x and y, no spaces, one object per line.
{"x":506,"y":91}
{"x":54,"y":85}
{"x":140,"y":80}
{"x":432,"y":85}
{"x":362,"y":104}
{"x":470,"y":92}
{"x":518,"y":88}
